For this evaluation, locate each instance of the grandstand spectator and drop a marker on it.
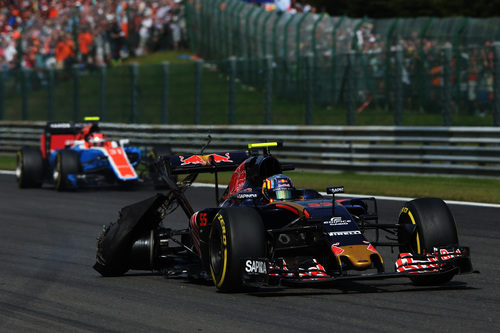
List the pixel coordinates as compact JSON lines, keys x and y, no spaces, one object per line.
{"x":85,"y":42}
{"x":64,"y":52}
{"x":105,"y":30}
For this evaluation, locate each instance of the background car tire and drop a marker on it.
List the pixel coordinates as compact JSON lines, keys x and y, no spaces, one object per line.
{"x":435,"y":227}
{"x":67,"y":163}
{"x":236,"y":233}
{"x":30,"y":167}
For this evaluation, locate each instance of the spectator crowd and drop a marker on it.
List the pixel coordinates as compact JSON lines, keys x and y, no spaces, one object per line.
{"x":41,"y":34}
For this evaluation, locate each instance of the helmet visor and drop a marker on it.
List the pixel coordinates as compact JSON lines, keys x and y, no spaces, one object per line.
{"x":283,"y":194}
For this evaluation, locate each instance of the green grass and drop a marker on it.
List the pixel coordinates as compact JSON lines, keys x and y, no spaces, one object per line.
{"x":7,"y":162}
{"x":485,"y":190}
{"x":449,"y":188}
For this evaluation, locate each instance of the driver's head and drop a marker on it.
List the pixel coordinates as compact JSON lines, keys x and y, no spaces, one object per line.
{"x":96,"y":140}
{"x":278,"y":187}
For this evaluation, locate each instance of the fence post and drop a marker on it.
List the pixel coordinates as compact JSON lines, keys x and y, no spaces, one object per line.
{"x":255,"y":64}
{"x":446,"y":95}
{"x":197,"y":91}
{"x":102,"y":92}
{"x":134,"y":91}
{"x":496,"y":84}
{"x":165,"y":67}
{"x":76,"y":92}
{"x":231,"y":90}
{"x":351,"y":91}
{"x":24,"y":93}
{"x":50,"y":91}
{"x":230,"y":33}
{"x":1,"y":93}
{"x":269,"y":91}
{"x":264,"y":35}
{"x":248,"y":37}
{"x":309,"y":89}
{"x":334,"y":74}
{"x":398,"y":87}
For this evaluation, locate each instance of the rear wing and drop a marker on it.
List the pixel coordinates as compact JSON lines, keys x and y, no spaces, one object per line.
{"x":193,"y":164}
{"x":57,"y":133}
{"x":203,"y":163}
{"x":69,"y":127}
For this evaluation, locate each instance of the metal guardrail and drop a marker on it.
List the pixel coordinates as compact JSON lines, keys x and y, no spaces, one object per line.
{"x":471,"y":151}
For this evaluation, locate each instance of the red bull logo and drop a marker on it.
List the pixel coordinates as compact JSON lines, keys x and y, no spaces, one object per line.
{"x":205,"y":159}
{"x":370,"y":247}
{"x":220,"y":158}
{"x":337,"y":250}
{"x":194,"y":159}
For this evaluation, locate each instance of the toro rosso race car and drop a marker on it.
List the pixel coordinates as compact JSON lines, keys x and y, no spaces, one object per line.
{"x":265,"y":232}
{"x":78,"y":154}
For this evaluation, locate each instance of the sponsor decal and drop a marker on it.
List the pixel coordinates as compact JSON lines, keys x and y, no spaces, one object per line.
{"x":205,"y":159}
{"x":60,"y":125}
{"x":335,"y":189}
{"x":372,"y":248}
{"x":247,"y":196}
{"x":337,"y":220}
{"x":256,"y":267}
{"x":194,"y":159}
{"x":337,"y":250}
{"x":223,"y":227}
{"x":345,"y":233}
{"x":219,"y":158}
{"x":319,"y":204}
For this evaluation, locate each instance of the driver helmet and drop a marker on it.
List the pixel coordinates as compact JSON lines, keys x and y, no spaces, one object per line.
{"x":278,"y":187}
{"x":96,"y":140}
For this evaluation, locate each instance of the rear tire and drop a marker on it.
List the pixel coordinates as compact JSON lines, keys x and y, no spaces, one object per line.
{"x":236,"y":233}
{"x":67,"y":163}
{"x":435,"y":227}
{"x":30,"y":167}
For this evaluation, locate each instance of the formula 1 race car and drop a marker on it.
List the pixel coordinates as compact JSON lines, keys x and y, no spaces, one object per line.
{"x":78,"y":154}
{"x":265,"y":232}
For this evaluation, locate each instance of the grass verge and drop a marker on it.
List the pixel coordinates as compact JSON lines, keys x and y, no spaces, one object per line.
{"x":485,"y":190}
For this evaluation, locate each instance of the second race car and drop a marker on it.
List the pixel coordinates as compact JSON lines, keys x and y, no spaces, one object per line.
{"x":72,"y":155}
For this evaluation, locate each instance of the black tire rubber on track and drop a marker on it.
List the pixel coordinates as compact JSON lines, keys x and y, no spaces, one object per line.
{"x":67,"y":162}
{"x":30,"y":167}
{"x":236,"y":233}
{"x":436,"y":227}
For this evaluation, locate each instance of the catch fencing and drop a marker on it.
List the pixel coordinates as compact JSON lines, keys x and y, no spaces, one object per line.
{"x":469,"y":151}
{"x":427,"y":65}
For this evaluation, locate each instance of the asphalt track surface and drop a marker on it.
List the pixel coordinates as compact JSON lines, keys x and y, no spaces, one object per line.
{"x":47,"y":249}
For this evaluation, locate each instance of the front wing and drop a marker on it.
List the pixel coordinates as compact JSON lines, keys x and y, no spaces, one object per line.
{"x":263,"y":272}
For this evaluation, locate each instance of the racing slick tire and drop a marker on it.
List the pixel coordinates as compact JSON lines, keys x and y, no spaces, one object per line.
{"x":435,"y":227}
{"x":30,"y":167}
{"x":67,"y":163}
{"x":236,"y":233}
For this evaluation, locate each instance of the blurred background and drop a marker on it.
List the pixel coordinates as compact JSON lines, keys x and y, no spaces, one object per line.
{"x":251,"y":62}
